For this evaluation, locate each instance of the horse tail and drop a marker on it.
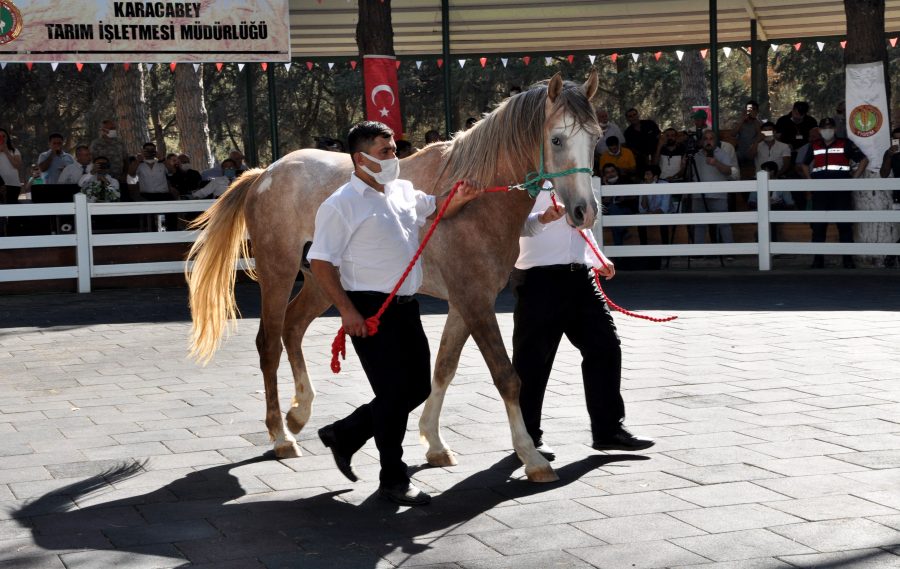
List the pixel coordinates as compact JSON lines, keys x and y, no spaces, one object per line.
{"x":212,"y":274}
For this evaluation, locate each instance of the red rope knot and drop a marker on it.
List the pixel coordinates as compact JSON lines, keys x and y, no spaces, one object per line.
{"x":339,"y":345}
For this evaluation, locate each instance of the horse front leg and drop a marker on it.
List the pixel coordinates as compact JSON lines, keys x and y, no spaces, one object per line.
{"x":482,"y":323}
{"x":308,"y":305}
{"x":452,"y":341}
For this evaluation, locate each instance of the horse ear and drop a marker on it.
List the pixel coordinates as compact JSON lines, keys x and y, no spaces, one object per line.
{"x":555,"y":87}
{"x":590,"y":86}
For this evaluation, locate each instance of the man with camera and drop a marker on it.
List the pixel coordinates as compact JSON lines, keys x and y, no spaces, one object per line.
{"x":713,"y":164}
{"x":745,"y":133}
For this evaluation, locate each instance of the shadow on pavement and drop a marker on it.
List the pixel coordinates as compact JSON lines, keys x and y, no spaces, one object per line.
{"x":209,"y":517}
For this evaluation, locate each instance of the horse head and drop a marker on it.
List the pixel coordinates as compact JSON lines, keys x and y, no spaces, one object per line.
{"x":547,"y":132}
{"x":569,"y":136}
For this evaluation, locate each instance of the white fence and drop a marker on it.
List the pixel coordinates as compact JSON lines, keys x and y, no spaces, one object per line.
{"x":764,"y":247}
{"x":84,"y":239}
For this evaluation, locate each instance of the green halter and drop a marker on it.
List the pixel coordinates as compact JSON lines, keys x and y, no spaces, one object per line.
{"x":533,"y":183}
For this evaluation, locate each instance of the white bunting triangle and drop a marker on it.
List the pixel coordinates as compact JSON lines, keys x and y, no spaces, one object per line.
{"x":593,"y":58}
{"x":504,"y":61}
{"x":2,"y":65}
{"x":820,"y":45}
{"x":462,"y":63}
{"x":287,"y":66}
{"x":727,"y":51}
{"x":774,"y":47}
{"x":196,"y":67}
{"x":635,"y":57}
{"x":54,"y":65}
{"x":679,"y":53}
{"x":103,"y":67}
{"x":240,"y":67}
{"x":418,"y":65}
{"x":330,"y":65}
{"x":547,"y":60}
{"x":149,"y":66}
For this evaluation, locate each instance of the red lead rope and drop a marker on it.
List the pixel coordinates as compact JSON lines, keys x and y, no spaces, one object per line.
{"x":339,"y":345}
{"x":596,"y":272}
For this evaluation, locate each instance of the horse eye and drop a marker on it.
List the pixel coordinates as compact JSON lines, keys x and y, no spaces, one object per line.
{"x":555,"y":141}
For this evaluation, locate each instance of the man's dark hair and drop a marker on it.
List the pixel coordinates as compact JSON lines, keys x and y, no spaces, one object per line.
{"x":171,"y":154}
{"x":754,"y":103}
{"x":631,"y":110}
{"x":612,"y":141}
{"x":362,"y":135}
{"x":233,"y":163}
{"x":432,"y":136}
{"x":56,"y":135}
{"x":609,"y":165}
{"x":81,"y":147}
{"x":653,"y":169}
{"x":101,"y":158}
{"x":471,"y":121}
{"x":802,"y":107}
{"x":146,"y":144}
{"x":769,"y":166}
{"x":403,"y":145}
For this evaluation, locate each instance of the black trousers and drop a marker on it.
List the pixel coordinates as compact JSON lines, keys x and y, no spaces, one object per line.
{"x":397,"y":363}
{"x":556,"y":301}
{"x":825,"y":201}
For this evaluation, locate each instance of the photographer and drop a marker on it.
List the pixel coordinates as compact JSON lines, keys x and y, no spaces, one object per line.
{"x":713,"y":164}
{"x":100,"y":184}
{"x":745,"y":133}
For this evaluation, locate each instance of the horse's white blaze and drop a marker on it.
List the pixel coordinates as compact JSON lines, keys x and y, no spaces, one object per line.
{"x":264,"y":185}
{"x":578,"y":149}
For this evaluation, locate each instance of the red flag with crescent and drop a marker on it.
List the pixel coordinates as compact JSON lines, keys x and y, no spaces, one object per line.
{"x":382,"y":93}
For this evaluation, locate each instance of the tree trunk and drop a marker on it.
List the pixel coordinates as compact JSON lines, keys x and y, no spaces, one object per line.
{"x":866,"y":44}
{"x":190,"y":113}
{"x":374,"y":30}
{"x":694,"y":87}
{"x":159,"y":137}
{"x":129,"y":103}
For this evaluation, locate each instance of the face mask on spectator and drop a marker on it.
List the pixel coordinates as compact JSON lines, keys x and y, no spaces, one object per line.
{"x":229,"y":172}
{"x":768,"y":134}
{"x":112,"y":133}
{"x":612,"y":179}
{"x":184,"y":166}
{"x":827,"y":134}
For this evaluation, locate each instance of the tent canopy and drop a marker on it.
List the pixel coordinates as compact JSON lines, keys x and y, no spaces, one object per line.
{"x":321,"y":28}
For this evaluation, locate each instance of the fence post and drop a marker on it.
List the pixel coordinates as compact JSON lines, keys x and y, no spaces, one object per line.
{"x":763,"y":223}
{"x":82,"y":242}
{"x":597,"y":190}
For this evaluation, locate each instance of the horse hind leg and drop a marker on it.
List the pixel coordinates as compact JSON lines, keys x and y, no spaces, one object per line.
{"x":275,"y":292}
{"x":308,"y":305}
{"x":452,"y":341}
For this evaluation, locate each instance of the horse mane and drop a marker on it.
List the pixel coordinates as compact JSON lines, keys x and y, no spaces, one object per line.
{"x":511,"y":134}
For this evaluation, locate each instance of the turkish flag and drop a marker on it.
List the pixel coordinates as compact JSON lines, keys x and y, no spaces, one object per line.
{"x":382,"y":93}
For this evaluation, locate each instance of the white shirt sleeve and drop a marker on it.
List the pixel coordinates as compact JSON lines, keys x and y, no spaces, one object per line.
{"x":533,"y":225}
{"x":331,"y":237}
{"x":425,"y":206}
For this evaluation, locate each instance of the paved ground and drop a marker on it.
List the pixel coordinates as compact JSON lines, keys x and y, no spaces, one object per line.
{"x":775,"y":400}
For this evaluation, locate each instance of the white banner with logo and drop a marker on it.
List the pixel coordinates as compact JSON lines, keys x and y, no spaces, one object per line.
{"x":111,"y":31}
{"x":867,"y":111}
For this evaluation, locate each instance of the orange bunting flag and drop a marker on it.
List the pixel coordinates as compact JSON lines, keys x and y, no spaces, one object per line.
{"x":309,"y":65}
{"x":657,"y":55}
{"x":483,"y":61}
{"x":172,"y":67}
{"x":527,"y":59}
{"x":29,"y":65}
{"x":79,"y":66}
{"x":264,"y":65}
{"x":843,"y":44}
{"x":614,"y":57}
{"x":353,"y":64}
{"x":397,"y":64}
{"x":893,"y":42}
{"x":127,"y":66}
{"x":219,"y":66}
{"x":571,"y":58}
{"x":797,"y":46}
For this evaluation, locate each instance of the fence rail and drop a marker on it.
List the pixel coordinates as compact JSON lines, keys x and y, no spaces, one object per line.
{"x":84,"y":239}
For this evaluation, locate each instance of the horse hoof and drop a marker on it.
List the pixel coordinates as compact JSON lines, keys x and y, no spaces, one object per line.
{"x":287,"y":450}
{"x":541,"y":474}
{"x":442,"y":458}
{"x":294,"y":421}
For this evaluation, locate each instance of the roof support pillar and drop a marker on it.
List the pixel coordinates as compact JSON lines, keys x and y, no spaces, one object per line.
{"x":250,"y":153}
{"x":273,"y":112}
{"x":445,"y":44}
{"x":714,"y":63}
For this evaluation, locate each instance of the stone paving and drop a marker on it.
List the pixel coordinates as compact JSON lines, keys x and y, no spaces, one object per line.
{"x":774,"y":398}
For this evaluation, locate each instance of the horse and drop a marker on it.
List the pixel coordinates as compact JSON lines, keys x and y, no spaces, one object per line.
{"x":550,"y":128}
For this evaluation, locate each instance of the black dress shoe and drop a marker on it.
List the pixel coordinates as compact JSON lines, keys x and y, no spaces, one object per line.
{"x":546,"y":451}
{"x":341,"y":460}
{"x":405,"y":494}
{"x":621,"y":440}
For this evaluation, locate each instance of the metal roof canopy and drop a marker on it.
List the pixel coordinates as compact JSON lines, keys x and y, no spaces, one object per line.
{"x":483,"y":27}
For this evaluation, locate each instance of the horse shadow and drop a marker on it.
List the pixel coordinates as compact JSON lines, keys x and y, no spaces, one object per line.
{"x":208,"y":517}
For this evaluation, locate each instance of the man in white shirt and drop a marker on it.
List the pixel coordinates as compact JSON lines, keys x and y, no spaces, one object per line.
{"x":151,"y":174}
{"x":100,"y":181}
{"x":768,"y":149}
{"x":555,"y":296}
{"x":73,"y":173}
{"x":369,"y":228}
{"x":714,"y":164}
{"x":607,"y":129}
{"x":53,"y":161}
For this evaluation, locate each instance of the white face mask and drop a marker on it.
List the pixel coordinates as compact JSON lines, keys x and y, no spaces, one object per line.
{"x":184,"y":167}
{"x":150,"y":161}
{"x":612,"y":179}
{"x":112,"y":134}
{"x":827,"y":134}
{"x":390,"y":169}
{"x":768,"y":134}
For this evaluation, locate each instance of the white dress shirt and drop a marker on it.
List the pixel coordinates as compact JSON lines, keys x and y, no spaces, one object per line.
{"x":774,"y":153}
{"x":371,"y":236}
{"x":152,"y":179}
{"x":73,"y":173}
{"x":554,"y":243}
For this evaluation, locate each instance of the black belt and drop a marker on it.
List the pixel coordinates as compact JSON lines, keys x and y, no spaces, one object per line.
{"x":571,"y":267}
{"x":398,"y":299}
